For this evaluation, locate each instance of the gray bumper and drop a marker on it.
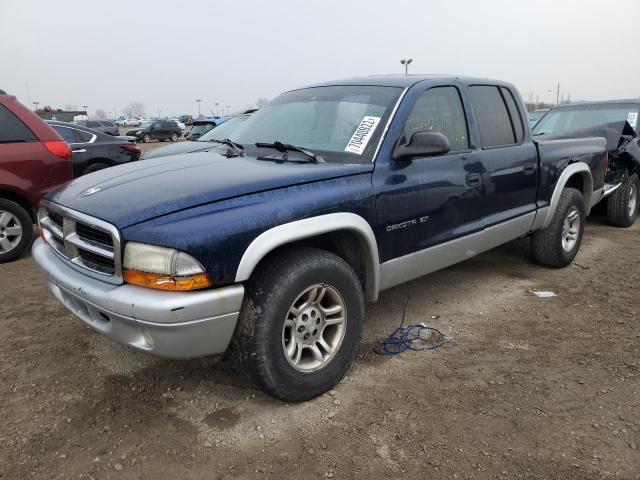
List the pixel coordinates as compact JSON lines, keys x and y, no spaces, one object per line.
{"x":167,"y":324}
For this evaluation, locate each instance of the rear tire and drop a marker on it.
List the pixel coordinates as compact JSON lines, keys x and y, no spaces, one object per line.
{"x":16,"y":230}
{"x":146,"y":138}
{"x":558,"y":244}
{"x":622,"y":205}
{"x":174,"y":137}
{"x":94,"y":167}
{"x":300,"y":324}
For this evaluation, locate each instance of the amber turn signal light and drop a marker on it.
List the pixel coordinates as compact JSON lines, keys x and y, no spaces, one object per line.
{"x":167,"y":282}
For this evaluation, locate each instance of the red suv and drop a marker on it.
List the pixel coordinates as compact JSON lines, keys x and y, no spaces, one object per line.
{"x":33,"y":161}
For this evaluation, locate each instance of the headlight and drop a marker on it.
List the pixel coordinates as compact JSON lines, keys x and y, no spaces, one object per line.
{"x":162,"y":268}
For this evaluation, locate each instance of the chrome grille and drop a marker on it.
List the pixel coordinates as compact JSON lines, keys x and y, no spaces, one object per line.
{"x":89,"y":244}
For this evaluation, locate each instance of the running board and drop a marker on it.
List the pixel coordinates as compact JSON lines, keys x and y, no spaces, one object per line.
{"x":610,"y":188}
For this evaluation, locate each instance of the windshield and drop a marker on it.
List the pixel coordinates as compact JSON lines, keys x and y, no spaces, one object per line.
{"x":569,"y":119}
{"x":223,"y":131}
{"x":340,"y":123}
{"x":533,"y":116}
{"x":202,"y":128}
{"x":146,"y":124}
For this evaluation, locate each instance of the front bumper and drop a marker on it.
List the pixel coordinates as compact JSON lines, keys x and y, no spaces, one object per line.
{"x":167,"y":324}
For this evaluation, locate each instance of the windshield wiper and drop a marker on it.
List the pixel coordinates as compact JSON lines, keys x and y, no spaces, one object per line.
{"x":285,"y":147}
{"x":237,"y":148}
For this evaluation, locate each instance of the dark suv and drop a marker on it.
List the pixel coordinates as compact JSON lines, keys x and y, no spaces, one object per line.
{"x":33,"y":161}
{"x":156,"y":130}
{"x":104,"y":126}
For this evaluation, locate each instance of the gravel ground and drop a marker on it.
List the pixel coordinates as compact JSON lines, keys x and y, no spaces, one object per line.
{"x":530,"y":387}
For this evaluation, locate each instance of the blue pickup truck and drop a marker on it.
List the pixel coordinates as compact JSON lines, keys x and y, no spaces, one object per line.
{"x":269,"y":243}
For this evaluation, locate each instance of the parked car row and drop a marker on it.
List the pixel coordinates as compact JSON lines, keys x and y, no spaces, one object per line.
{"x":156,"y":130}
{"x":104,"y":126}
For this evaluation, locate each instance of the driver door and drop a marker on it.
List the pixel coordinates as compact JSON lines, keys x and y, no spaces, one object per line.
{"x":426,"y":202}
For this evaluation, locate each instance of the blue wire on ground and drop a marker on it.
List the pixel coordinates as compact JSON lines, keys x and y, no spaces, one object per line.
{"x":416,"y":337}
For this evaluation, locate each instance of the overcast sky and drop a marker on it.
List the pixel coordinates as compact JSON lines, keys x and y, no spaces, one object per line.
{"x":168,"y":53}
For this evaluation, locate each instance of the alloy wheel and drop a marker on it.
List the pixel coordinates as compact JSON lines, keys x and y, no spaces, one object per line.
{"x":314,"y":328}
{"x":570,"y":229}
{"x":10,"y":231}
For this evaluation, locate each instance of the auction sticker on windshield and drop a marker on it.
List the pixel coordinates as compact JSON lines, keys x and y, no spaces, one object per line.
{"x":632,"y":118}
{"x":362,"y":135}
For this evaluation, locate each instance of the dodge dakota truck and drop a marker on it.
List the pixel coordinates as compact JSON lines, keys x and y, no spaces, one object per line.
{"x":269,"y":243}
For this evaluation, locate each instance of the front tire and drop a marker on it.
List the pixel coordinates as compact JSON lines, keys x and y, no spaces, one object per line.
{"x":146,"y":138}
{"x":16,"y":230}
{"x":300,"y":324}
{"x":622,"y":206}
{"x":174,"y":137}
{"x":558,"y":244}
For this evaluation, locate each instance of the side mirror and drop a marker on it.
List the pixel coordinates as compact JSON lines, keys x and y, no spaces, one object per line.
{"x":423,"y":144}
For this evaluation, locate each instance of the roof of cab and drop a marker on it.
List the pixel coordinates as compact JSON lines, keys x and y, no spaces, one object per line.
{"x":405,"y":81}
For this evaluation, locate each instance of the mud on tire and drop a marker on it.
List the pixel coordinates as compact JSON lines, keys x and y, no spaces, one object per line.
{"x":274,"y":292}
{"x":558,"y":244}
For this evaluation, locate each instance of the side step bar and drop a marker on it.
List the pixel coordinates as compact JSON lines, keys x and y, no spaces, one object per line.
{"x":610,"y":188}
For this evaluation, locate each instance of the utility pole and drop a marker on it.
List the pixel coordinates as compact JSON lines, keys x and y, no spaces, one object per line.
{"x":406,"y":63}
{"x":558,"y":95}
{"x":198,"y":100}
{"x":85,"y":110}
{"x":36,"y":105}
{"x":217,"y":114}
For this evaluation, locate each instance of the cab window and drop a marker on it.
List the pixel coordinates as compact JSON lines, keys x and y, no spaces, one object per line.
{"x":440,"y":110}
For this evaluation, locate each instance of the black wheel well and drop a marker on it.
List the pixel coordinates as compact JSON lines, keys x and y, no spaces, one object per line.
{"x":93,"y":161}
{"x":342,"y":243}
{"x":20,"y":200}
{"x":576,"y":182}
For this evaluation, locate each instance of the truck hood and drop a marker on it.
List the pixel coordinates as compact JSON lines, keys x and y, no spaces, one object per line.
{"x":139,"y":191}
{"x":178,"y":147}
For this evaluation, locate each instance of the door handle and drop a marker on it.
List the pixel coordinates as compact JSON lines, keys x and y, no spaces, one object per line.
{"x":473,"y":179}
{"x":529,"y":168}
{"x":82,"y":150}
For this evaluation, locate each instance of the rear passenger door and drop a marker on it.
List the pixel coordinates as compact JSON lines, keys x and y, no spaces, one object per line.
{"x":508,"y":156}
{"x":424,"y":202}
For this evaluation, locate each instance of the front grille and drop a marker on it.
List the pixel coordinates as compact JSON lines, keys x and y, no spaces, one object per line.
{"x":92,"y":234}
{"x":88,"y":243}
{"x":96,"y":262}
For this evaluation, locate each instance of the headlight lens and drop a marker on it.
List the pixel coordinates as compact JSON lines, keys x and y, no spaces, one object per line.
{"x":162,"y":268}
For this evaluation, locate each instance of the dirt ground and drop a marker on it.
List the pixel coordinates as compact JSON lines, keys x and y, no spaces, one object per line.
{"x":530,"y":387}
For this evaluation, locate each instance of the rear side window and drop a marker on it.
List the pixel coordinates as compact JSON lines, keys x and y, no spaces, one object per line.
{"x":516,"y":119}
{"x":12,"y":130}
{"x":492,"y":116}
{"x":83,"y":137}
{"x":93,"y":124}
{"x":439,"y":109}
{"x":67,"y":134}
